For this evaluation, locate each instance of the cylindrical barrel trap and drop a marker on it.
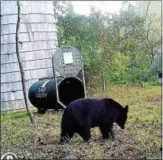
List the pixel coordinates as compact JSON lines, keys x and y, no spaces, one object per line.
{"x":68,"y":83}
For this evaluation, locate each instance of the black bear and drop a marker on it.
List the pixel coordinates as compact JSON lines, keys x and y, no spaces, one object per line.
{"x":83,"y":114}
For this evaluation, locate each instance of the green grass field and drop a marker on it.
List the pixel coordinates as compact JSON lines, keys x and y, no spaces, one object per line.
{"x":141,"y":138}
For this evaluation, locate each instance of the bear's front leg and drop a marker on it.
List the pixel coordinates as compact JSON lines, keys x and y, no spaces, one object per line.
{"x":106,"y":129}
{"x":105,"y":132}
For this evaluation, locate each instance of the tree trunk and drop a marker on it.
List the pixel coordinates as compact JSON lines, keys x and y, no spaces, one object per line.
{"x":21,"y":68}
{"x":152,"y":58}
{"x":54,"y":9}
{"x":146,"y":14}
{"x":104,"y":82}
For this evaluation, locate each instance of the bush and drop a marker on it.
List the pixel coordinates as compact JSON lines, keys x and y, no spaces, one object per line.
{"x":157,"y":65}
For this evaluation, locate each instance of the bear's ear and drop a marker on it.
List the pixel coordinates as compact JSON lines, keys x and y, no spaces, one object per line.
{"x":126,"y":108}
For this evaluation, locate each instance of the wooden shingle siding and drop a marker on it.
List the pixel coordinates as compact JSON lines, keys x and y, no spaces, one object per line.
{"x":7,"y":87}
{"x":17,"y":104}
{"x":11,"y":19}
{"x":8,"y":48}
{"x":29,"y":46}
{"x":8,"y":7}
{"x":26,"y":37}
{"x":12,"y":96}
{"x":34,"y":55}
{"x":38,"y":43}
{"x":29,"y":74}
{"x":37,"y":18}
{"x":27,"y":65}
{"x":38,"y":27}
{"x":16,"y":86}
{"x":43,"y":7}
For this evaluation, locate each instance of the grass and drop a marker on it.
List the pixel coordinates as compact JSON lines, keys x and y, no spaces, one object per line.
{"x":15,"y":114}
{"x":141,"y":138}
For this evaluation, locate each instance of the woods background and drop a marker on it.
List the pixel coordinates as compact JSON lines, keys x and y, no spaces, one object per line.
{"x":122,"y":48}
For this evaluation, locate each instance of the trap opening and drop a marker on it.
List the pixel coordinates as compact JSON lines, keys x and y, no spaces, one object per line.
{"x":70,"y":89}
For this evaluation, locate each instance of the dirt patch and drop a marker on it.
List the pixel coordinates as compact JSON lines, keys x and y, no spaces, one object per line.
{"x":154,"y":100}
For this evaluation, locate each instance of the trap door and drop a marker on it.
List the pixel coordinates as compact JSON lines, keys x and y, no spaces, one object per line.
{"x":67,"y":62}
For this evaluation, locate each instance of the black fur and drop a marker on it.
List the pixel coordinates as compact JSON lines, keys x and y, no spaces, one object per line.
{"x":83,"y":114}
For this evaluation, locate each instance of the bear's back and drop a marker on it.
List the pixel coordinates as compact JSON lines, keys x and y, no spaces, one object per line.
{"x":92,"y":104}
{"x":87,"y":109}
{"x":86,"y":106}
{"x":86,"y":103}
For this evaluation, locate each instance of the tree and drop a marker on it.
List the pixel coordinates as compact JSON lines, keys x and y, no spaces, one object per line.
{"x":21,"y":68}
{"x":151,"y":12}
{"x":106,"y":40}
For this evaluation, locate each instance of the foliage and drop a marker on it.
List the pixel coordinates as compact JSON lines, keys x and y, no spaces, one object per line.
{"x":157,"y":65}
{"x":117,"y":48}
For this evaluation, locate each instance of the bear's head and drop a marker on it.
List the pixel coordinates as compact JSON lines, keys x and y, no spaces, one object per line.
{"x":122,"y":118}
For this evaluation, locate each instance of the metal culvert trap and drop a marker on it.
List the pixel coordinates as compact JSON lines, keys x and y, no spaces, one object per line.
{"x":68,"y":83}
{"x":70,"y":89}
